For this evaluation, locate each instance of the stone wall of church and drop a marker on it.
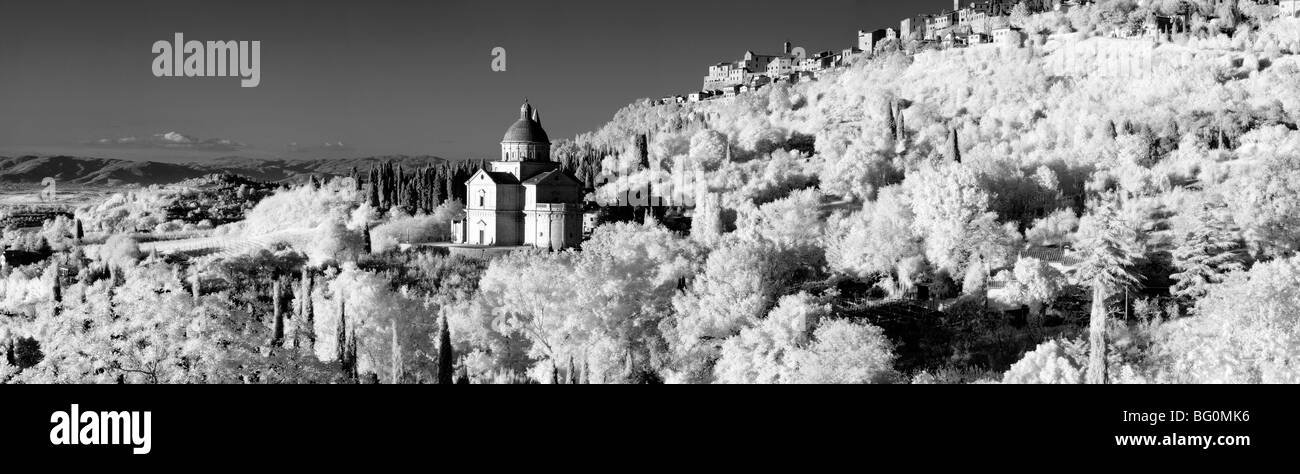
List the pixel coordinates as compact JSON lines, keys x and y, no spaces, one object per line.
{"x":509,"y":228}
{"x":510,"y":197}
{"x":488,"y":227}
{"x":557,"y":226}
{"x":483,"y":194}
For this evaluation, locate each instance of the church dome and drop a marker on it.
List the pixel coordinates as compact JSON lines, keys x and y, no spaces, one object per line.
{"x":528,"y":128}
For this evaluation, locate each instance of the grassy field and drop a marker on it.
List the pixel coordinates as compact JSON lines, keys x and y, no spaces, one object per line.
{"x":19,"y":195}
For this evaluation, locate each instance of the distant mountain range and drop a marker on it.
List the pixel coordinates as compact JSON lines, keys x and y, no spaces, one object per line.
{"x":113,"y":172}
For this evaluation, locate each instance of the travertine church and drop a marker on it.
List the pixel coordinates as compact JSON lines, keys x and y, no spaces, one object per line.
{"x":523,"y":199}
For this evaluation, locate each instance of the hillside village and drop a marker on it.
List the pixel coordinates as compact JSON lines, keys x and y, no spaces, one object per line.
{"x":970,"y":23}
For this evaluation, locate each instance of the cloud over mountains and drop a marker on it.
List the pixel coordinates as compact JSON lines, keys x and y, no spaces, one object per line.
{"x":170,"y":140}
{"x":338,"y":146}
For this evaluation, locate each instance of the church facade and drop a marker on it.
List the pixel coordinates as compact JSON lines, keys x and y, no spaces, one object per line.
{"x":524,"y":198}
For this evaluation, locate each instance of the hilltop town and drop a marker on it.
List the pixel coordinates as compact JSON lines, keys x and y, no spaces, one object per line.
{"x":998,"y":23}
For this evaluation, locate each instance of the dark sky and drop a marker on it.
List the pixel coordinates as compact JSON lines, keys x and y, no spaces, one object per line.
{"x":408,"y":77}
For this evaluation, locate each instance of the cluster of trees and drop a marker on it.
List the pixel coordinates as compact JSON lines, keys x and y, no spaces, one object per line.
{"x":269,"y":317}
{"x":642,"y":304}
{"x":213,"y":200}
{"x":418,"y":191}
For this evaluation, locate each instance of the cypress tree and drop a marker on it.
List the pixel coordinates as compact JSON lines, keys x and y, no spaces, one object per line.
{"x":396,"y":350}
{"x":390,"y":186}
{"x":573,"y":372}
{"x":341,"y":338}
{"x":954,"y":151}
{"x":374,"y":192}
{"x":445,"y":356}
{"x":382,"y":185}
{"x":57,"y":290}
{"x":366,"y":238}
{"x":900,"y":129}
{"x":78,"y":233}
{"x":400,"y":185}
{"x":352,"y":355}
{"x":890,"y":123}
{"x":277,"y":302}
{"x":435,"y":187}
{"x":308,"y":312}
{"x":412,"y":204}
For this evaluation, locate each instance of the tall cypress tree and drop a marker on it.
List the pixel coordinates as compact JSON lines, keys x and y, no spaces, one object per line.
{"x":435,"y":195}
{"x":953,"y":149}
{"x":890,"y":124}
{"x":573,"y":372}
{"x":308,"y":311}
{"x":412,"y":203}
{"x":900,"y":129}
{"x":277,"y":311}
{"x":341,"y":338}
{"x":445,"y":356}
{"x":396,"y":349}
{"x":352,"y":355}
{"x":373,"y":197}
{"x":366,"y":238}
{"x":57,"y":290}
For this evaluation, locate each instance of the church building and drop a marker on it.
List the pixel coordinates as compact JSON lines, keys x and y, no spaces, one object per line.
{"x":525,"y":198}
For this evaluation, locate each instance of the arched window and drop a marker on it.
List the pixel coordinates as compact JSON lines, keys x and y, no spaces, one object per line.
{"x":482,"y":198}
